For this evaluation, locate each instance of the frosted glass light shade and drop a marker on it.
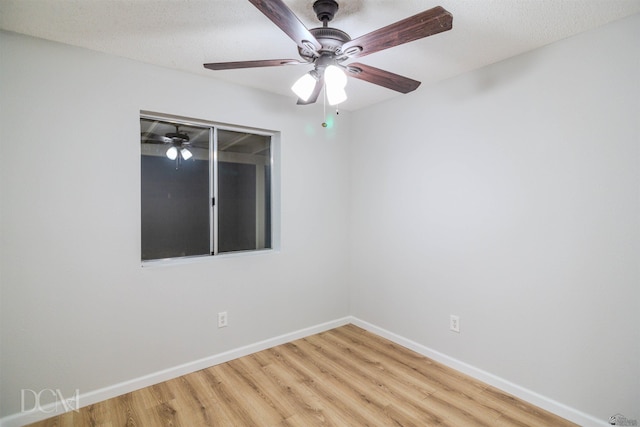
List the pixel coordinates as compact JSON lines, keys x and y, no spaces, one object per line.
{"x":172,"y":153}
{"x":336,"y":96}
{"x":336,"y":81}
{"x":186,"y":154}
{"x":304,"y":86}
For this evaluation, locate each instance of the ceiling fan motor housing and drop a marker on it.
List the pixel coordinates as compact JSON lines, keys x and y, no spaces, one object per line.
{"x":331,"y":40}
{"x":325,"y":10}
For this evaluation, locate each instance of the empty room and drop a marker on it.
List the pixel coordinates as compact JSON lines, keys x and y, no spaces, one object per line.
{"x":331,"y":213}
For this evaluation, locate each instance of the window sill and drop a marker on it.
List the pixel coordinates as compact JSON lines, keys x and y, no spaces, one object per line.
{"x":204,"y":258}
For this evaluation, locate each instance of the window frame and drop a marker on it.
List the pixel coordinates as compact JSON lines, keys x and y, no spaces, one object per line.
{"x":274,"y":208}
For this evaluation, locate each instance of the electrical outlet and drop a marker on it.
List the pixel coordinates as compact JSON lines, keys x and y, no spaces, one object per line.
{"x":454,"y":323}
{"x":222,"y":319}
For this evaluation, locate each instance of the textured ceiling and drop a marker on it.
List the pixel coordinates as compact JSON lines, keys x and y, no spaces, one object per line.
{"x":184,"y":34}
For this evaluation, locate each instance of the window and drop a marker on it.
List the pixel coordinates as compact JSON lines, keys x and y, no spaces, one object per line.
{"x":205,"y":189}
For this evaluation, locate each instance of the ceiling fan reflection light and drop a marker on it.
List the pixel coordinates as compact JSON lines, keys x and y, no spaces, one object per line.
{"x":336,"y":81}
{"x":186,"y":154}
{"x":304,"y":86}
{"x":172,"y":153}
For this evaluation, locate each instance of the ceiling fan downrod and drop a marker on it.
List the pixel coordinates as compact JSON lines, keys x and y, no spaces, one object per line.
{"x":325,"y":10}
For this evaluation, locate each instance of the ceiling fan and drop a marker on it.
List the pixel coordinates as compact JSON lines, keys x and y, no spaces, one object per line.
{"x":179,"y":143}
{"x":327,"y":48}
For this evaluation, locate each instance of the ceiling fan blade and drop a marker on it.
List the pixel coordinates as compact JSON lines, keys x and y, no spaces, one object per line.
{"x":153,"y":138}
{"x":382,"y":78}
{"x":314,"y":95}
{"x":252,"y":64}
{"x":424,"y":24}
{"x":287,"y":21}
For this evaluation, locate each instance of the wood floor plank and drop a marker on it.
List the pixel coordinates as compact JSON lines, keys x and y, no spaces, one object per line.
{"x":288,"y":387}
{"x":342,"y":377}
{"x":231,"y":408}
{"x":244,"y":385}
{"x":474,"y":411}
{"x":518,"y":410}
{"x":378,"y":391}
{"x":313,"y":409}
{"x":191,"y":394}
{"x":359,"y":390}
{"x":436,"y":375}
{"x":261,"y":385}
{"x":333,"y":390}
{"x":455,"y":413}
{"x":126,"y":414}
{"x":378,"y":362}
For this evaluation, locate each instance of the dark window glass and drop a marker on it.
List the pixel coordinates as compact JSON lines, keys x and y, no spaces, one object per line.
{"x":175,"y":190}
{"x":244,"y":191}
{"x":178,"y":216}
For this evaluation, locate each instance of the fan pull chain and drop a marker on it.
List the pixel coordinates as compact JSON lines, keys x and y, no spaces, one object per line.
{"x":324,"y":106}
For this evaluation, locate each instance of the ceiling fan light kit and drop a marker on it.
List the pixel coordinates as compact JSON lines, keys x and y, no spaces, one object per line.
{"x":173,"y":153}
{"x":179,"y":144}
{"x":327,"y":48}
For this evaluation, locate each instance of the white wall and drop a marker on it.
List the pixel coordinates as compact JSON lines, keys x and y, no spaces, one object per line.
{"x":78,"y":311}
{"x":510,"y":196}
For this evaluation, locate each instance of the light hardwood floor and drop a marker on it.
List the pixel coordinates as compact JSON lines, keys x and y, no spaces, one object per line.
{"x":342,"y":377}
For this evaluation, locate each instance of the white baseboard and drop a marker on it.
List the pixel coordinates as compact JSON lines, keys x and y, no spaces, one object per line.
{"x":109,"y":392}
{"x":532,"y":397}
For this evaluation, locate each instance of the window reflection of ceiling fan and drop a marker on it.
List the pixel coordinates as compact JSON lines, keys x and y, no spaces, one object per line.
{"x":327,"y":48}
{"x":179,"y":142}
